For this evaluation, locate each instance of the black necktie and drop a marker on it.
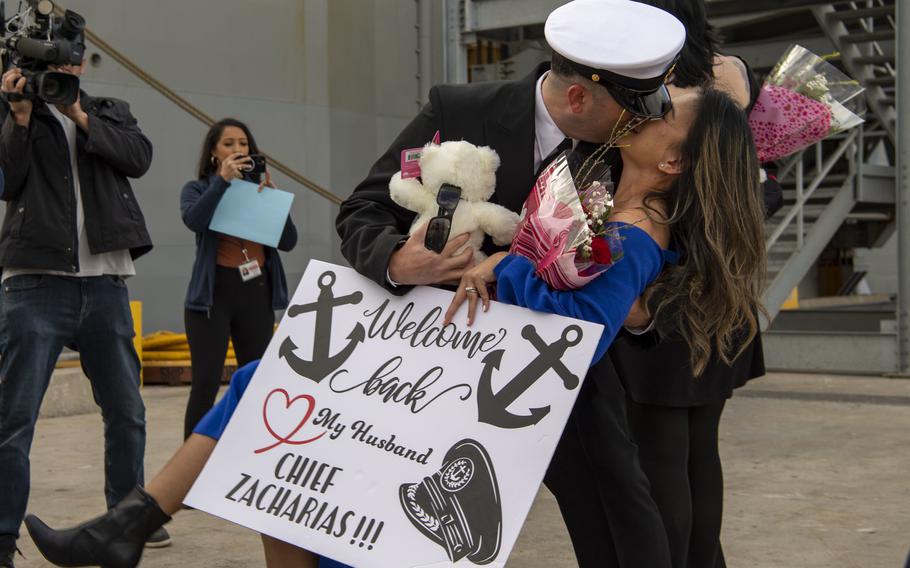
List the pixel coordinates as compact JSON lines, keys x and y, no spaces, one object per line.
{"x":566,"y":144}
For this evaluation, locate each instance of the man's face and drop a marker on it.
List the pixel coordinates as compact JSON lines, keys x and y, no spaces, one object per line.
{"x":597,"y":121}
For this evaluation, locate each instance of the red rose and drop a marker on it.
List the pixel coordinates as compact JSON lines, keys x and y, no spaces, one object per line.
{"x":600,"y":251}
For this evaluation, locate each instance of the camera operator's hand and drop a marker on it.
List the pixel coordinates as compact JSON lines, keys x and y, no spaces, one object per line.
{"x":75,"y":113}
{"x":233,"y":166}
{"x":14,"y":82}
{"x":414,"y":264}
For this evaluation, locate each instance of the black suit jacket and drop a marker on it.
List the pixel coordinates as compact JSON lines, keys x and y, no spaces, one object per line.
{"x":495,"y":114}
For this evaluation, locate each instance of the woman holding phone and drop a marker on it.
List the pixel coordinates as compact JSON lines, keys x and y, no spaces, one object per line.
{"x":236,"y":285}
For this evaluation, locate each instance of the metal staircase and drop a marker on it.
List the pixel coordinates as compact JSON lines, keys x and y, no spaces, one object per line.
{"x":839,"y":193}
{"x":828,"y":186}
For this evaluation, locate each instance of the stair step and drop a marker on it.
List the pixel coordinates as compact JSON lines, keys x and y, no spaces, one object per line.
{"x":874,"y":59}
{"x":830,"y":179}
{"x":813,"y":211}
{"x":770,"y":226}
{"x":774,"y":268}
{"x":887,"y":101}
{"x":869,"y":37}
{"x":886,"y":80}
{"x":822,"y":193}
{"x":874,"y":216}
{"x":782,"y":250}
{"x":859,"y":13}
{"x":787,"y":236}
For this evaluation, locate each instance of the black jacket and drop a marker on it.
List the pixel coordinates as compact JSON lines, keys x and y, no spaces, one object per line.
{"x":39,"y":230}
{"x":495,"y":114}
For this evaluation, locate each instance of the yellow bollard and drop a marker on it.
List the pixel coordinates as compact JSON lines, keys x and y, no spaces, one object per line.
{"x":136,"y":311}
{"x":792,"y":302}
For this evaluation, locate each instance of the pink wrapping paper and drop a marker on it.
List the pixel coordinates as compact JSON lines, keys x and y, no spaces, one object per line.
{"x":784,"y":122}
{"x":552,"y":220}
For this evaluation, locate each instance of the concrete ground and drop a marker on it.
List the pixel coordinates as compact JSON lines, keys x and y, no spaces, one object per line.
{"x":817,"y":475}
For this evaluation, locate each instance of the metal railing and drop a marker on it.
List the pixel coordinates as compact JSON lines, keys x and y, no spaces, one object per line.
{"x":865,"y":58}
{"x":796,"y":165}
{"x":195,"y":111}
{"x":859,"y":53}
{"x":868,"y":25}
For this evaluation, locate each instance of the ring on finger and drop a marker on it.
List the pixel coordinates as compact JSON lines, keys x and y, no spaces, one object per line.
{"x":470,"y":290}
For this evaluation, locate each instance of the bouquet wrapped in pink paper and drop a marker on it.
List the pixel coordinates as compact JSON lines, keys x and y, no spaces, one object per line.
{"x":803,"y":100}
{"x":563,"y":219}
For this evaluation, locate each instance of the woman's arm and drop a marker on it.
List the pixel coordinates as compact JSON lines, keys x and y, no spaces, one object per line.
{"x":605,"y":300}
{"x":732,"y":77}
{"x":198,"y":201}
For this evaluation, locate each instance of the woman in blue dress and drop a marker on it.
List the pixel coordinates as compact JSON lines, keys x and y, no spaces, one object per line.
{"x":712,"y":215}
{"x":689,"y":181}
{"x":667,"y":193}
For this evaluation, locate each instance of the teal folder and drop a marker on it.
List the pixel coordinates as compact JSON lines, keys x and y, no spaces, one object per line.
{"x":251,"y":215}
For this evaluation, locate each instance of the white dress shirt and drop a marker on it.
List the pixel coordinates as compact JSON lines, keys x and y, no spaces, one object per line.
{"x":547,"y":136}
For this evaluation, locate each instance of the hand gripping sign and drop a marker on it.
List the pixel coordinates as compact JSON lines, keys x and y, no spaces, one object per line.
{"x":374,"y":435}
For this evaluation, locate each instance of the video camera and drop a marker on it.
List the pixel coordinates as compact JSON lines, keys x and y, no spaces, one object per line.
{"x":35,"y":38}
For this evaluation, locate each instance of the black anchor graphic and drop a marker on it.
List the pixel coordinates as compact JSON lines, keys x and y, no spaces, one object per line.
{"x":492,"y":408}
{"x":323,"y":363}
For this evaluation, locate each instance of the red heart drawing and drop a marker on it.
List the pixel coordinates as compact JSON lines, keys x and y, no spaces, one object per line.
{"x":288,"y":402}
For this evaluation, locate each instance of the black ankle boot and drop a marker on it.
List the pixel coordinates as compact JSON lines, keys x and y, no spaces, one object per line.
{"x":113,"y":540}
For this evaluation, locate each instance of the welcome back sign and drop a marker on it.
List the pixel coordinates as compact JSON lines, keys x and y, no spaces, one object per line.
{"x":374,"y":435}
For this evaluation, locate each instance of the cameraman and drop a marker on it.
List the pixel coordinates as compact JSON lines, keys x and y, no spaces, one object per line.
{"x":71,"y":232}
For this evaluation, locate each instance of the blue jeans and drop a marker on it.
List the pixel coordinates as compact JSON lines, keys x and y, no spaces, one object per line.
{"x":39,"y":315}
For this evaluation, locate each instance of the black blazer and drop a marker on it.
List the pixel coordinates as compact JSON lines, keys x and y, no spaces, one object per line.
{"x":495,"y":114}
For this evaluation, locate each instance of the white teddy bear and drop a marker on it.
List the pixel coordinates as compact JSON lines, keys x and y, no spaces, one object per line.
{"x":473,"y":169}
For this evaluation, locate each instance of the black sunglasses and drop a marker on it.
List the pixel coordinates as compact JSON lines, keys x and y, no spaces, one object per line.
{"x":653,"y":104}
{"x":439,"y":227}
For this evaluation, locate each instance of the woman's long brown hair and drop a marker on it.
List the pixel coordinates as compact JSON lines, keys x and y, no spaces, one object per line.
{"x":712,"y":297}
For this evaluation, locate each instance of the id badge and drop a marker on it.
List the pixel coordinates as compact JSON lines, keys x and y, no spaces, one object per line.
{"x":249,"y":270}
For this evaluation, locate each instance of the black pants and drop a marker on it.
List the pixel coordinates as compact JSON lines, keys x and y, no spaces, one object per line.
{"x":241,"y":311}
{"x":679,"y":454}
{"x":603,"y":494}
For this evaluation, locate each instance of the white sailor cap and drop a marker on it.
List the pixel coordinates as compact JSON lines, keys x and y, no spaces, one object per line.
{"x":618,"y":43}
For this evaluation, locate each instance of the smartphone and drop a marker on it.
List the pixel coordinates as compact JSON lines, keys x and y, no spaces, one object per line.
{"x":257,"y":165}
